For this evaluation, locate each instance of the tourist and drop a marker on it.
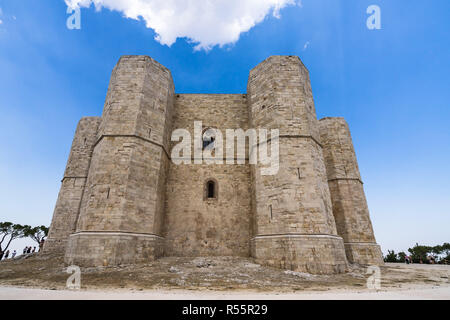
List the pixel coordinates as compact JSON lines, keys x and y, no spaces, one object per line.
{"x":25,"y":250}
{"x":13,"y":254}
{"x":431,"y":258}
{"x":34,"y":250}
{"x":29,"y":249}
{"x":41,"y":245}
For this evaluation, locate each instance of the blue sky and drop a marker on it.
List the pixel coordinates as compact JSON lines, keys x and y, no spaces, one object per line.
{"x":392,"y":85}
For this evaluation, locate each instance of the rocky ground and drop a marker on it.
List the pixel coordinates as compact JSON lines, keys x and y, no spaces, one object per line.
{"x":218,"y":274}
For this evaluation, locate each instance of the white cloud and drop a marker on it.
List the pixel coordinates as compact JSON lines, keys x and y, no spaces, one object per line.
{"x":1,"y":21}
{"x":306,"y":45}
{"x":204,"y":22}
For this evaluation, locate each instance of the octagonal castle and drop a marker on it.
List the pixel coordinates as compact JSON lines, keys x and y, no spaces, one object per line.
{"x":123,"y":200}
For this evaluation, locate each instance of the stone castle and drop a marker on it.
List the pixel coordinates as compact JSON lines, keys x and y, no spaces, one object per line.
{"x":123,"y":200}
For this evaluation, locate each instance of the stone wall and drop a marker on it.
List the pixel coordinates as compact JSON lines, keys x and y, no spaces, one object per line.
{"x":69,"y":199}
{"x":123,"y":202}
{"x":317,"y":254}
{"x":296,"y":201}
{"x":347,"y":193}
{"x":195,"y":225}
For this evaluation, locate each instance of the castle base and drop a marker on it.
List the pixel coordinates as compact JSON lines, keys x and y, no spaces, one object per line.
{"x":364,"y":253}
{"x":112,"y":248}
{"x":316,"y":254}
{"x":56,"y":246}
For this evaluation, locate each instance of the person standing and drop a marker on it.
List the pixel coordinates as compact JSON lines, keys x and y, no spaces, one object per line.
{"x":24,"y":250}
{"x":41,"y":245}
{"x":13,"y":254}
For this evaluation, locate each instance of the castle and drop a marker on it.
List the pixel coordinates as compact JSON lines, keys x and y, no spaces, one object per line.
{"x":123,"y":200}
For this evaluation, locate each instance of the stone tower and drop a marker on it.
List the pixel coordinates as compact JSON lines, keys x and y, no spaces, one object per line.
{"x":68,"y":204}
{"x":121,"y":211}
{"x":294,"y":225}
{"x":347,"y":194}
{"x":123,"y":200}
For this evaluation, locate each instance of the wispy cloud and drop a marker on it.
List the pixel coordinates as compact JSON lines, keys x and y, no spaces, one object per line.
{"x":306,"y":45}
{"x":204,"y":22}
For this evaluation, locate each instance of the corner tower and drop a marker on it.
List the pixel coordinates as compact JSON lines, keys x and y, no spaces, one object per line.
{"x":294,"y":226}
{"x":347,"y":193}
{"x":121,"y":212}
{"x":69,"y":199}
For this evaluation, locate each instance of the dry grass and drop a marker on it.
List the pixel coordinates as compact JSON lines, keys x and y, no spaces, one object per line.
{"x":218,"y":273}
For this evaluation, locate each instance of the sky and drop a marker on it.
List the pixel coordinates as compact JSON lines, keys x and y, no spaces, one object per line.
{"x":391,"y":84}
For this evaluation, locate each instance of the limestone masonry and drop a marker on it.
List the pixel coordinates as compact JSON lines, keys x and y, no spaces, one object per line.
{"x":123,"y":200}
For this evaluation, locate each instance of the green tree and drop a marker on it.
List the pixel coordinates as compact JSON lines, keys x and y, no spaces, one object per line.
{"x":10,"y":231}
{"x":401,"y":257}
{"x":37,"y":233}
{"x":446,"y":249}
{"x":391,"y":257}
{"x":445,"y":253}
{"x":419,"y":252}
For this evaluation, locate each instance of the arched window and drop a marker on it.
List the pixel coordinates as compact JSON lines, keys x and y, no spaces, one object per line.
{"x":211,"y":189}
{"x":208,"y":138}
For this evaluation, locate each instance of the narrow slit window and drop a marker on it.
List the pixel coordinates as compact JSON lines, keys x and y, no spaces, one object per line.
{"x":270,"y":211}
{"x":211,"y":189}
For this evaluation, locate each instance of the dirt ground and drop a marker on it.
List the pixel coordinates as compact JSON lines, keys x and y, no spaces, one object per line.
{"x":219,"y":274}
{"x":418,"y":293}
